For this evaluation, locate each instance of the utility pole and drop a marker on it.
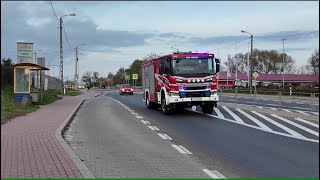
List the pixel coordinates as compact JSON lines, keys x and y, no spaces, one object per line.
{"x":283,"y":65}
{"x":76,"y":71}
{"x":61,"y":57}
{"x":251,"y":64}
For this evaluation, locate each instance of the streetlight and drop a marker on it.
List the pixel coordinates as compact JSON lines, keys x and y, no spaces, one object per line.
{"x":61,"y":53}
{"x":76,"y":69}
{"x":283,"y":39}
{"x":250,"y":79}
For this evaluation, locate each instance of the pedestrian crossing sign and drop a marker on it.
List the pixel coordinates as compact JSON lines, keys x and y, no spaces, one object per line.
{"x":255,"y":74}
{"x":135,"y":76}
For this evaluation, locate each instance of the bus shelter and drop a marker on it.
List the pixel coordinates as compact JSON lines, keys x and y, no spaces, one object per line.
{"x":22,"y":81}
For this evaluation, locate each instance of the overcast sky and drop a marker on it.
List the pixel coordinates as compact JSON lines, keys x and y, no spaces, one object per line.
{"x":116,"y":33}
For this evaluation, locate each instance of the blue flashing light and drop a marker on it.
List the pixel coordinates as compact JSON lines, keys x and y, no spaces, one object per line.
{"x":208,"y":89}
{"x":181,"y":89}
{"x":199,"y":52}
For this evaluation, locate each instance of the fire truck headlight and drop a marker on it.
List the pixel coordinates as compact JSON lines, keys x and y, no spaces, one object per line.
{"x":179,"y":80}
{"x":202,"y":80}
{"x":213,"y":92}
{"x":174,"y":94}
{"x":189,"y":80}
{"x":209,"y":80}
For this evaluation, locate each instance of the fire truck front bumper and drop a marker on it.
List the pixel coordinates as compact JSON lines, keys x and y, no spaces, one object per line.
{"x":177,"y":99}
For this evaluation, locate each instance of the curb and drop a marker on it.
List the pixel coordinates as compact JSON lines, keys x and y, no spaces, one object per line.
{"x":85,"y":172}
{"x":251,"y":107}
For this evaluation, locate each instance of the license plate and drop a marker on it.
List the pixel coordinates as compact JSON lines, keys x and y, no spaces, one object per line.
{"x":196,"y":99}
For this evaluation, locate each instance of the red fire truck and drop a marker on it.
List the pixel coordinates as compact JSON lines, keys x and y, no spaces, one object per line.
{"x":180,"y":80}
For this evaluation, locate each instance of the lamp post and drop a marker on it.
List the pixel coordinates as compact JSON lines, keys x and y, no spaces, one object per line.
{"x":76,"y":75}
{"x":251,"y":57}
{"x":283,"y":39}
{"x":61,"y":53}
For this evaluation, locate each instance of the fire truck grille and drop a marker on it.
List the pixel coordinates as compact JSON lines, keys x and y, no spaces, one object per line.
{"x":195,"y":88}
{"x":195,"y":94}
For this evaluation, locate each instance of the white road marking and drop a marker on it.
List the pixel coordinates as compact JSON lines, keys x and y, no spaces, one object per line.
{"x":272,"y":104}
{"x":218,"y":112}
{"x":134,"y":113}
{"x":185,"y":150}
{"x":162,"y":136}
{"x":307,"y":122}
{"x":287,"y":110}
{"x":178,"y":148}
{"x":255,"y":127}
{"x":166,"y":135}
{"x":299,"y":103}
{"x":297,"y":125}
{"x":194,"y":108}
{"x":315,"y":113}
{"x":301,"y":108}
{"x":155,"y":127}
{"x":260,"y":107}
{"x":263,"y":126}
{"x":233,"y":114}
{"x":292,"y":132}
{"x":151,"y":127}
{"x":211,"y":174}
{"x":302,"y":112}
{"x":144,"y":122}
{"x":140,"y":117}
{"x":148,"y":122}
{"x":274,"y":109}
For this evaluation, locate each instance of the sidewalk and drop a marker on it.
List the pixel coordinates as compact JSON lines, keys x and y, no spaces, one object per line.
{"x":29,"y":148}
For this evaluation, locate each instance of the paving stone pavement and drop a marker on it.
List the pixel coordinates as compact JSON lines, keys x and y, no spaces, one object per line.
{"x":29,"y":148}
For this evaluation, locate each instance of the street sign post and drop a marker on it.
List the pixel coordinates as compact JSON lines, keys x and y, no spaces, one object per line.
{"x":255,"y":75}
{"x":134,"y":78}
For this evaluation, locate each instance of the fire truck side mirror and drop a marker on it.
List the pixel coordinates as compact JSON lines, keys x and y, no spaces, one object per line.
{"x":217,"y":65}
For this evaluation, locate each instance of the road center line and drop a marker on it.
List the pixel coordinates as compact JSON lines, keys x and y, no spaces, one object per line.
{"x":144,"y":122}
{"x":140,"y":117}
{"x":185,"y":150}
{"x":151,"y":127}
{"x":155,"y":127}
{"x":166,"y":135}
{"x":178,"y":148}
{"x":162,"y":136}
{"x":211,"y":174}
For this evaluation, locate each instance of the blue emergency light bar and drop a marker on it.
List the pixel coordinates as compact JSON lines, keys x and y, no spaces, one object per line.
{"x":199,"y":52}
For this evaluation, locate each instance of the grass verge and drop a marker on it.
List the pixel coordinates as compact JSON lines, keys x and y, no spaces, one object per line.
{"x":10,"y":108}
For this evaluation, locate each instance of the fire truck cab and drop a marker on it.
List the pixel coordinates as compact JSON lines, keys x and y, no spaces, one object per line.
{"x":180,"y":80}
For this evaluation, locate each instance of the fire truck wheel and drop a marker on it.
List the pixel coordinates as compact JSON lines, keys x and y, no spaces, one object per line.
{"x":207,"y":109}
{"x":164,"y":106}
{"x":150,"y":105}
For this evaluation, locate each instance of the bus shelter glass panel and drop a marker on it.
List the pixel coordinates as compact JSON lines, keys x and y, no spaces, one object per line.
{"x":22,"y":80}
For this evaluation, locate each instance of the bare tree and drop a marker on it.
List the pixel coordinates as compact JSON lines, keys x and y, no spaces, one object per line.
{"x":313,"y":62}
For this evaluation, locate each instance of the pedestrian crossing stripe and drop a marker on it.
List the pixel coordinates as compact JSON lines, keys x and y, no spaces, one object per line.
{"x":261,"y":126}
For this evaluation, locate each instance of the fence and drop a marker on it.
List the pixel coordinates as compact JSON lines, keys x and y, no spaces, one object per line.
{"x":308,"y":101}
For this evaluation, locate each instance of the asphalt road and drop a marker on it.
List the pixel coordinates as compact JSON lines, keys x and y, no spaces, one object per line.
{"x":234,"y":142}
{"x":297,"y":105}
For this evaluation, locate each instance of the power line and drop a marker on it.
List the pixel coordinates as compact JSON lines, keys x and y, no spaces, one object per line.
{"x":287,"y":35}
{"x":54,"y":11}
{"x":66,"y":35}
{"x":231,"y":44}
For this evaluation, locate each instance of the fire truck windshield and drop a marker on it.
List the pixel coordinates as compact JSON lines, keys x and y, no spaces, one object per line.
{"x":192,"y":66}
